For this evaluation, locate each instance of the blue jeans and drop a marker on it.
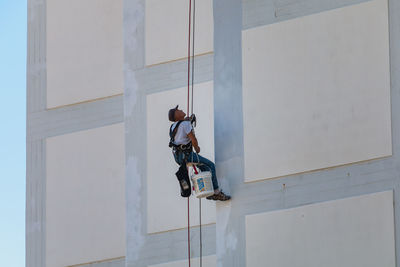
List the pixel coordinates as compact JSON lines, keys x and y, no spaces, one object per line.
{"x":204,"y":164}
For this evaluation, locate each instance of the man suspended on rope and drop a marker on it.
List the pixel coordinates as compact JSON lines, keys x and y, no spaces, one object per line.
{"x":183,"y":140}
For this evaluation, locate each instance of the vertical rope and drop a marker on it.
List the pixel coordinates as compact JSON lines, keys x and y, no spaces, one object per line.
{"x":193,"y":53}
{"x":201,"y":242}
{"x":194,"y":27}
{"x":188,"y":205}
{"x":188,"y":97}
{"x":188,"y":231}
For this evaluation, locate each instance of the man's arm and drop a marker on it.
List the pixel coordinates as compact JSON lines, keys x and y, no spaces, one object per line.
{"x":194,"y":141}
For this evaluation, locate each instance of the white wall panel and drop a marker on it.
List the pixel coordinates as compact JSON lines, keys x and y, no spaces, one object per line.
{"x":84,"y":50}
{"x":352,"y":232}
{"x":167,"y":28}
{"x":85,"y":196}
{"x":166,"y":209}
{"x":209,"y":261}
{"x":316,"y":91}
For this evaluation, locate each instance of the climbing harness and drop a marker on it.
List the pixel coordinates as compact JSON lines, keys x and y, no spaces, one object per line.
{"x":172,"y":133}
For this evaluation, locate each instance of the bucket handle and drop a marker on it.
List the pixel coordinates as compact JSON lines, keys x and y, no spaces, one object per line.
{"x":198,"y":161}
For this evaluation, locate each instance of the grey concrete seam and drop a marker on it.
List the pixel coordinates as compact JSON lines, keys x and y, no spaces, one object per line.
{"x":172,"y":245}
{"x":36,"y":205}
{"x":172,"y":75}
{"x":35,"y":158}
{"x":36,"y":58}
{"x":74,"y":118}
{"x":120,"y":262}
{"x":135,"y":137}
{"x":228,"y":125}
{"x":264,"y":12}
{"x":394,"y":52}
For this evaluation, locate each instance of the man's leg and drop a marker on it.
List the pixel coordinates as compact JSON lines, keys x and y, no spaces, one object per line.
{"x":207,"y":165}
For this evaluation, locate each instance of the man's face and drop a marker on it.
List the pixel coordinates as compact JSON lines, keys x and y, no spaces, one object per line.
{"x":179,"y":115}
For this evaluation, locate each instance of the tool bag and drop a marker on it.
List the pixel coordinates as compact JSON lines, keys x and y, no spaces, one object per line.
{"x":184,"y":182}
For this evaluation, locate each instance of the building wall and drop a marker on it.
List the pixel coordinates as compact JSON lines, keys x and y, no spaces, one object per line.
{"x":316,"y":91}
{"x":305,"y":130}
{"x":356,"y":231}
{"x":84,"y":50}
{"x":85,"y":196}
{"x":299,"y":189}
{"x":75,"y":138}
{"x":155,"y":81}
{"x":166,"y":23}
{"x":297,"y":104}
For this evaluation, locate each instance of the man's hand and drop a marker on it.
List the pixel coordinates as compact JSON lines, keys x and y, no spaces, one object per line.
{"x":193,"y":120}
{"x":197,"y":149}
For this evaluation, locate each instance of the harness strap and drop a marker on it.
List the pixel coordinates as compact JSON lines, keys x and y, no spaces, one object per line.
{"x":181,"y":147}
{"x":172,"y":133}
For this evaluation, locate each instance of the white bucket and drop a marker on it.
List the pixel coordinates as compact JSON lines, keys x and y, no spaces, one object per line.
{"x":202,"y":184}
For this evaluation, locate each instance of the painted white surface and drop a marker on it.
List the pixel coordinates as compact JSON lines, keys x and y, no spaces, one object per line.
{"x":316,"y":91}
{"x":166,"y":209}
{"x":167,"y":23}
{"x":209,"y":261}
{"x":352,"y":232}
{"x":85,"y":200}
{"x":84,"y":50}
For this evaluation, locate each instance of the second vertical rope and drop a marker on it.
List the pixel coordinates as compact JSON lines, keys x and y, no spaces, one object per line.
{"x":188,"y":204}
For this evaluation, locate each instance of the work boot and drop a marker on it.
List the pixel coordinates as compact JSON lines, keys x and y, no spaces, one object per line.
{"x":219,"y":196}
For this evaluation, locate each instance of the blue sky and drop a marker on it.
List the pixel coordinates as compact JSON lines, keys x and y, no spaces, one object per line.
{"x":13,"y":131}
